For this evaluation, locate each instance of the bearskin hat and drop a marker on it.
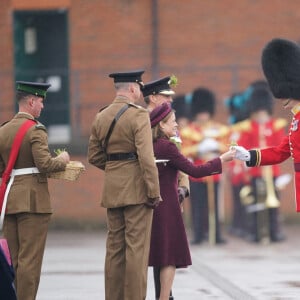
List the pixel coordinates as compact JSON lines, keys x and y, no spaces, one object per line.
{"x":281,"y":66}
{"x":236,"y":104}
{"x":260,"y":99}
{"x":259,"y":83}
{"x":203,"y":100}
{"x":181,"y":107}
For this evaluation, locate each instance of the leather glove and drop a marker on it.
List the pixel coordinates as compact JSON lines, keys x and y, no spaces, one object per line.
{"x":153,"y":202}
{"x":182,"y":193}
{"x":241,"y":153}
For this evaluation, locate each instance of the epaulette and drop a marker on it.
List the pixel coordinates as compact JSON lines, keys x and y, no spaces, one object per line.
{"x":102,"y":108}
{"x":135,"y":105}
{"x":191,"y":134}
{"x":241,"y":126}
{"x":224,"y":130}
{"x":280,"y":123}
{"x":4,"y":123}
{"x":40,"y":126}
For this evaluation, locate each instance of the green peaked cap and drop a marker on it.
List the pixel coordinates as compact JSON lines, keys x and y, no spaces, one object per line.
{"x":34,"y":88}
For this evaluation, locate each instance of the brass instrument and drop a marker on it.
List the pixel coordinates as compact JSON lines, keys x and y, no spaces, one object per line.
{"x":246,"y":196}
{"x":211,"y":211}
{"x":259,"y":201}
{"x":271,"y":201}
{"x":271,"y":198}
{"x":266,"y":197}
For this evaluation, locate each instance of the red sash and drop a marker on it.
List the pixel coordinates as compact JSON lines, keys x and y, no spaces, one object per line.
{"x":13,"y":156}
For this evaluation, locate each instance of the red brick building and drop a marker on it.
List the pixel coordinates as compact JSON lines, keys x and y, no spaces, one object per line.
{"x":74,"y":44}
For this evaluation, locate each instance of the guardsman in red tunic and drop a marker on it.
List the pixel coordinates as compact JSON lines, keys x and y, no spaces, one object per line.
{"x":262,"y":130}
{"x":281,"y":66}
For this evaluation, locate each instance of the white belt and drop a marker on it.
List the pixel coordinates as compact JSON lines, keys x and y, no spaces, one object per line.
{"x":24,"y":171}
{"x":14,"y":172}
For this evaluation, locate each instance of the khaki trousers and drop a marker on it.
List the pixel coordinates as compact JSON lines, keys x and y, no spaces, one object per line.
{"x":127,"y":252}
{"x":26,"y":236}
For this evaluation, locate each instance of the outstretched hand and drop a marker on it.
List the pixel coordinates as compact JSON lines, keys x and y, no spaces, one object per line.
{"x":228,"y":156}
{"x":241,"y":153}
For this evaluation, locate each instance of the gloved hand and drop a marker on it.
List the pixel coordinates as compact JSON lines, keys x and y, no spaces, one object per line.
{"x":241,"y":153}
{"x":182,"y":193}
{"x":153,"y":202}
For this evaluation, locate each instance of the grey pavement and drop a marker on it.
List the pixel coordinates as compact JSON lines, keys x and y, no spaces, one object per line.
{"x":73,"y":269}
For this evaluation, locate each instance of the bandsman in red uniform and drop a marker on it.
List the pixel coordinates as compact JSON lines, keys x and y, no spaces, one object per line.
{"x":261,"y":130}
{"x":281,"y":66}
{"x":237,"y":113}
{"x":203,"y":140}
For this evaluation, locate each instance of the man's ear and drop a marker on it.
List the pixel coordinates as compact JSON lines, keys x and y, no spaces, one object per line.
{"x":30,"y":101}
{"x":152,"y":99}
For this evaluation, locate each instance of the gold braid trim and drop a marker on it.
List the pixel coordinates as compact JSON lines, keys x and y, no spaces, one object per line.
{"x":258,"y":158}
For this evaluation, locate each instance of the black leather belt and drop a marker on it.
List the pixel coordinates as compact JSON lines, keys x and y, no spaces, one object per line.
{"x":122,"y":156}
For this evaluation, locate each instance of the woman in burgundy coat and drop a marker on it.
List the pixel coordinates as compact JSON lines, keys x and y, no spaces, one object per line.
{"x":169,"y":246}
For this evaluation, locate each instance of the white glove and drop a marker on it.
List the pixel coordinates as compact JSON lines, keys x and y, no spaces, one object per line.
{"x":282,"y":180}
{"x":208,"y":145}
{"x":241,"y":153}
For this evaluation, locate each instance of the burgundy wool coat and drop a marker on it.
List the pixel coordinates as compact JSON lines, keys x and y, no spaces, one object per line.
{"x":169,"y":245}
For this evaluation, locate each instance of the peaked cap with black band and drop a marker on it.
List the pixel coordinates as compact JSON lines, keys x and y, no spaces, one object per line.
{"x":281,"y":65}
{"x":130,"y":76}
{"x":160,"y":86}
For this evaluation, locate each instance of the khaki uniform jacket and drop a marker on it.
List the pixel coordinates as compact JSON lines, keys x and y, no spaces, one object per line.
{"x":29,"y":193}
{"x":126,"y":182}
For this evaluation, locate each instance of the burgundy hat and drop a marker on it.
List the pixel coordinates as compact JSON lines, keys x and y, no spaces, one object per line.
{"x":159,"y":113}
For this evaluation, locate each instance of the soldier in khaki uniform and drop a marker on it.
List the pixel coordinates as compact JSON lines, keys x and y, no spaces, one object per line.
{"x":28,"y":205}
{"x":131,"y":187}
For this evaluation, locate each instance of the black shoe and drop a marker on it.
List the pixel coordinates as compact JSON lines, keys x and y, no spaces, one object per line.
{"x":252,"y":238}
{"x":278,"y":238}
{"x":220,"y":241}
{"x":237,"y":232}
{"x":196,"y":242}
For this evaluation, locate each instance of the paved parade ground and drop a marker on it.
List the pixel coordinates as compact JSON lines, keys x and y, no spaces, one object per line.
{"x":73,"y":269}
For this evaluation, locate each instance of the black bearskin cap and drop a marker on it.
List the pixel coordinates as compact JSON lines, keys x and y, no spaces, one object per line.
{"x":181,"y":107}
{"x":203,"y":100}
{"x":281,"y":65}
{"x":260,"y":99}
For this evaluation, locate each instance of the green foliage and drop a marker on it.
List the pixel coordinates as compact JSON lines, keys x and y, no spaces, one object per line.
{"x":59,"y":151}
{"x":173,"y":81}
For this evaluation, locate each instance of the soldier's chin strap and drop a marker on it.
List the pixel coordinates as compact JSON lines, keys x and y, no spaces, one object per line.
{"x":11,"y":162}
{"x":287,"y":102}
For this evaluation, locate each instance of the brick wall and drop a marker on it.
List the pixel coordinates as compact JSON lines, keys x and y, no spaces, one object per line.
{"x":216,"y":44}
